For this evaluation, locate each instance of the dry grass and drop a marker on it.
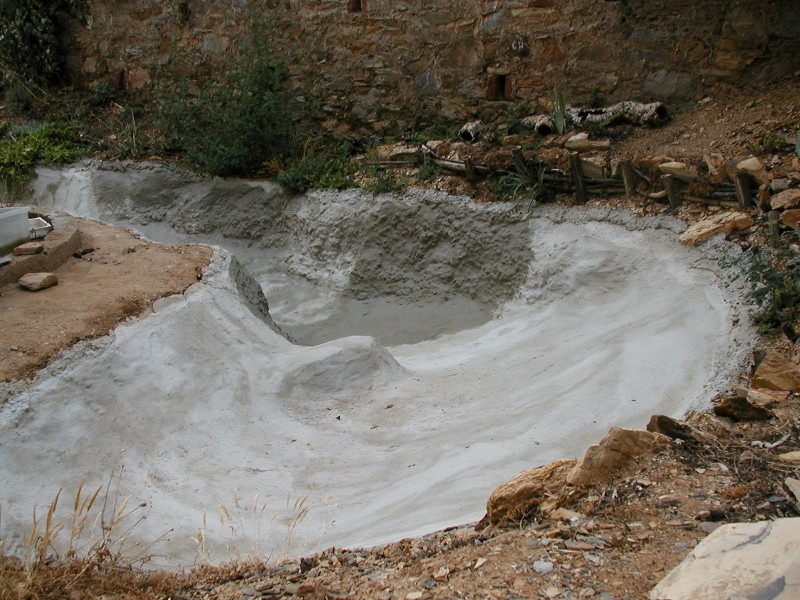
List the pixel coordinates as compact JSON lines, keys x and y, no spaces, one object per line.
{"x":86,"y":554}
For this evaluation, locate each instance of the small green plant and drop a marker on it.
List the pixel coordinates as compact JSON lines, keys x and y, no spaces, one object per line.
{"x":774,"y":275}
{"x":769,"y":144}
{"x":433,"y":132}
{"x":523,"y":186}
{"x":102,"y":94}
{"x":427,"y":171}
{"x":560,"y":116}
{"x":23,"y":148}
{"x":384,"y":181}
{"x":319,"y":167}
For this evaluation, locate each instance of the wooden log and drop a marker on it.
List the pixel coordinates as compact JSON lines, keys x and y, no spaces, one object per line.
{"x":456,"y":166}
{"x":577,"y":178}
{"x":636,"y":113}
{"x":471,"y":131}
{"x":743,"y":190}
{"x":629,"y":177}
{"x":673,"y":194}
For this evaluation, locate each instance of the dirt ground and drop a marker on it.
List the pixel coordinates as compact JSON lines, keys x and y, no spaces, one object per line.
{"x":618,"y":542}
{"x":114,"y":275}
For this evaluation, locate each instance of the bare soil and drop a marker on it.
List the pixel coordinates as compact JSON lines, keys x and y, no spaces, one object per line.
{"x":114,"y":276}
{"x":620,"y":540}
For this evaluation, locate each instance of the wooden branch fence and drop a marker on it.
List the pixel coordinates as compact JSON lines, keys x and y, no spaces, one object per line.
{"x":674,"y":189}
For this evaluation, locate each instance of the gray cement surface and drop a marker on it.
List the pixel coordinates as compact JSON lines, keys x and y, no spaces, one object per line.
{"x":446,"y":346}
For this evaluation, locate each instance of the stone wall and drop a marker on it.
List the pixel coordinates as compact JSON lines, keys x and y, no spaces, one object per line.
{"x":396,"y":64}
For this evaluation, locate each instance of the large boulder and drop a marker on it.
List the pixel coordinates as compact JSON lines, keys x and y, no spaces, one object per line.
{"x":530,"y":490}
{"x":614,"y":452}
{"x":725,"y":223}
{"x":740,"y":560}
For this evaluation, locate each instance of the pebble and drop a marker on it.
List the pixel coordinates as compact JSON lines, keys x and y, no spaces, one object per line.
{"x":413,"y":595}
{"x":680,"y":546}
{"x":709,"y":526}
{"x":543,"y":567}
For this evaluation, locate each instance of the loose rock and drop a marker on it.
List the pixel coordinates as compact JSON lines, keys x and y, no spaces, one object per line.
{"x":669,"y":427}
{"x":613,"y":452}
{"x":543,"y":567}
{"x":791,"y":218}
{"x":777,"y":372}
{"x":725,"y":223}
{"x":37,"y":281}
{"x":740,"y":409}
{"x":528,"y":490}
{"x":29,"y":248}
{"x":786,"y":199}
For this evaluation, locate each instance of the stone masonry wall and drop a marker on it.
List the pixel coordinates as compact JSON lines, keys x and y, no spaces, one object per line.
{"x":396,"y":64}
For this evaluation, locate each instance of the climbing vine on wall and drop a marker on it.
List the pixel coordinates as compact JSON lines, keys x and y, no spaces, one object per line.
{"x":31,"y":38}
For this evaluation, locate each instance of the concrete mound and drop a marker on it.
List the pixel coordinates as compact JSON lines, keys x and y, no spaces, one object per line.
{"x":346,"y":369}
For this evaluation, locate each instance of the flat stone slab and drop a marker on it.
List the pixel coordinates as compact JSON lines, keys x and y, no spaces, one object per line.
{"x":38,"y":281}
{"x":740,"y":560}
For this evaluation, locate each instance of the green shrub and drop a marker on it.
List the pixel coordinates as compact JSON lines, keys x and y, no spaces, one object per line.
{"x":31,"y":32}
{"x":319,"y":168}
{"x":235,"y":126}
{"x":22,"y":149}
{"x":18,"y":97}
{"x":774,"y":275}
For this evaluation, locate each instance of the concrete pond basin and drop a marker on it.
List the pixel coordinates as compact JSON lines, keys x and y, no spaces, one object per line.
{"x":417,"y":351}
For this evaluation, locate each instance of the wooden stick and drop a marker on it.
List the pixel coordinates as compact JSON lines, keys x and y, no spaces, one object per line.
{"x":743,"y":190}
{"x":711,"y":201}
{"x":774,"y":230}
{"x":577,"y":178}
{"x":629,"y":177}
{"x":469,"y":169}
{"x":671,"y":185}
{"x":519,"y":161}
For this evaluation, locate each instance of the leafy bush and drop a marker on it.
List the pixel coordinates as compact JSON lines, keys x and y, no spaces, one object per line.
{"x":22,"y":149}
{"x":774,"y":275}
{"x":319,"y":168}
{"x":235,"y":126}
{"x":30,"y":38}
